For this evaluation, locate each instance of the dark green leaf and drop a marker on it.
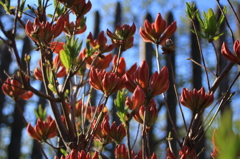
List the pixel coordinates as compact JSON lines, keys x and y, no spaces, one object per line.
{"x":21,"y":8}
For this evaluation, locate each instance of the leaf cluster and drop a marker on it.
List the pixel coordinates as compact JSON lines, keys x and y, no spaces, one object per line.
{"x":191,"y":10}
{"x":210,"y":25}
{"x":41,"y":113}
{"x":70,"y":53}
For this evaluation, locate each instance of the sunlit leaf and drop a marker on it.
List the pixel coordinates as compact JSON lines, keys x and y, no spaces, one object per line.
{"x":65,"y":58}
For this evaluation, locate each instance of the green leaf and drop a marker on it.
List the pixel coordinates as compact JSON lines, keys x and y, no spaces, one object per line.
{"x":39,"y":3}
{"x":50,"y":76}
{"x":221,"y":19}
{"x":11,"y":7}
{"x":210,"y":13}
{"x":2,"y":4}
{"x":225,"y":135}
{"x":209,"y":25}
{"x":51,"y":80}
{"x":69,"y":54}
{"x":40,"y":112}
{"x":88,"y":48}
{"x":123,"y":118}
{"x":218,"y":35}
{"x":66,"y":93}
{"x":52,"y":88}
{"x":120,"y":101}
{"x":191,"y":10}
{"x":64,"y":152}
{"x":25,"y":9}
{"x":90,"y":51}
{"x":50,"y":15}
{"x":193,"y":31}
{"x":120,"y":106}
{"x":21,"y":8}
{"x":65,"y":58}
{"x":74,"y":47}
{"x":202,"y":35}
{"x":200,"y":20}
{"x":59,"y":8}
{"x":7,"y":4}
{"x":5,"y":7}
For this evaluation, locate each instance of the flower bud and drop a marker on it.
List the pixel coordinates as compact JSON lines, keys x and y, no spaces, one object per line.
{"x":168,"y":47}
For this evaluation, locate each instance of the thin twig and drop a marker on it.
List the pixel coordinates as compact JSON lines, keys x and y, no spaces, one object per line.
{"x":175,"y":90}
{"x":211,"y":111}
{"x":5,"y":41}
{"x":101,"y":100}
{"x":136,"y":136}
{"x":234,"y":12}
{"x":128,"y":141}
{"x":60,"y":125}
{"x":90,"y":134}
{"x":148,"y":142}
{"x":201,"y":66}
{"x":145,"y":141}
{"x":28,"y":15}
{"x":172,"y":123}
{"x":15,"y":20}
{"x":165,"y":100}
{"x":187,"y":137}
{"x":41,"y":94}
{"x":157,"y":59}
{"x":218,"y":80}
{"x":70,"y":126}
{"x":50,"y":144}
{"x":120,"y":51}
{"x":218,"y":59}
{"x":219,"y":6}
{"x":200,"y":49}
{"x":71,"y":74}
